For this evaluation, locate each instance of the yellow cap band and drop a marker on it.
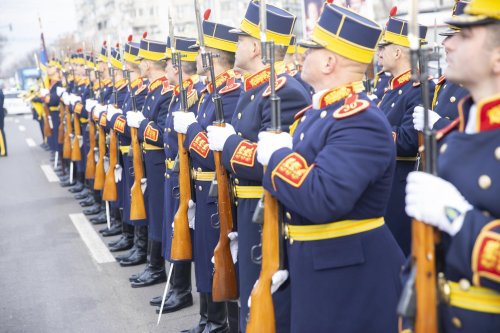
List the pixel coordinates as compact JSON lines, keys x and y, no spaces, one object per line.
{"x":253,"y":30}
{"x":150,"y":55}
{"x":219,"y":44}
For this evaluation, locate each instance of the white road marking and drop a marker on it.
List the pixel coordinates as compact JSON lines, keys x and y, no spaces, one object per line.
{"x":16,"y":121}
{"x":28,"y":116}
{"x":96,"y":247}
{"x":49,"y":173}
{"x":22,"y":128}
{"x":30,"y":142}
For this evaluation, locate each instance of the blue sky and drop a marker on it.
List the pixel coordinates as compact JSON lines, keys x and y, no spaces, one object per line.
{"x":58,"y":18}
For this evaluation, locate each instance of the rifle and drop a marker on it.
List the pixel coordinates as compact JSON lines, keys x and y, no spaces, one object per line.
{"x":262,"y":317}
{"x":69,"y":127}
{"x":181,"y":240}
{"x":90,"y":167}
{"x":47,"y":130}
{"x":420,"y":305}
{"x":137,"y":205}
{"x":224,"y":286}
{"x":60,"y":130}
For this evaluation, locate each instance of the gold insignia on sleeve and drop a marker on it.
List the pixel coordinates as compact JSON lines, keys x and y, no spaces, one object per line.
{"x":244,"y":154}
{"x":200,"y":145}
{"x":293,"y":169}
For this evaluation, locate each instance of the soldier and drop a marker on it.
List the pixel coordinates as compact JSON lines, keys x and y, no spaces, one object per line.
{"x":150,"y":123}
{"x":381,"y":80}
{"x":333,"y":178}
{"x":3,"y":141}
{"x":294,"y":59}
{"x":138,"y":229}
{"x":50,"y":97}
{"x":238,"y":141}
{"x":447,"y":94}
{"x":462,"y":201}
{"x":398,"y":103}
{"x":222,"y":45}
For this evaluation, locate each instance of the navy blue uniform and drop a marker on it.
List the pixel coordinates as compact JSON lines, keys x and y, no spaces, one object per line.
{"x":381,"y":83}
{"x":471,"y":162}
{"x":82,"y":90}
{"x":398,"y":103}
{"x":52,"y":101}
{"x":445,"y":101}
{"x":3,"y":142}
{"x":253,"y":115}
{"x":206,"y":234}
{"x":344,"y":282}
{"x":193,"y":87}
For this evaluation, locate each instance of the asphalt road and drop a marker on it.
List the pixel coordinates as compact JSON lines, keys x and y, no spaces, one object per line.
{"x":51,"y":280}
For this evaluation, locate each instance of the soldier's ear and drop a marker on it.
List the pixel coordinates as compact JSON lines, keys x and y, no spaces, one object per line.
{"x":329,"y":64}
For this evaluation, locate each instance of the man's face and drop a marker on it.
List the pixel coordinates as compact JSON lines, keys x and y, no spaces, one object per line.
{"x":243,"y":52}
{"x":311,"y":66}
{"x":143,"y":67}
{"x":386,"y":57}
{"x":51,"y":70}
{"x":199,"y":64}
{"x":467,"y":56}
{"x":171,"y":72}
{"x":102,"y":66}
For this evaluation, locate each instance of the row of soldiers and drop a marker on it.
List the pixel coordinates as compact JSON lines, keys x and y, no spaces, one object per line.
{"x":339,"y":161}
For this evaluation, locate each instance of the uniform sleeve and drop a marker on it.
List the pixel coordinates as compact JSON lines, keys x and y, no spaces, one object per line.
{"x":52,"y":99}
{"x":475,"y":251}
{"x":119,"y":123}
{"x":239,"y":155}
{"x":150,"y":131}
{"x":441,"y":123}
{"x":328,"y":188}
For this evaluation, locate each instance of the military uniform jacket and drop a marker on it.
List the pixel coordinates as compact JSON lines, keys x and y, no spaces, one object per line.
{"x":381,"y":83}
{"x":121,"y":93}
{"x":471,"y":162}
{"x":52,"y":100}
{"x":340,"y":168}
{"x":445,"y":101}
{"x":82,"y":90}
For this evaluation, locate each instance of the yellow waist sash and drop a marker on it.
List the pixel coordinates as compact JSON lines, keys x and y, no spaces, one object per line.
{"x":474,"y":298}
{"x":148,"y":146}
{"x":248,"y":192}
{"x":206,"y":176}
{"x":331,"y":230}
{"x":54,"y":108}
{"x":124,"y":149}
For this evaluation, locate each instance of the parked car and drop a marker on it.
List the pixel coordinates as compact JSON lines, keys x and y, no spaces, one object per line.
{"x":15,"y":104}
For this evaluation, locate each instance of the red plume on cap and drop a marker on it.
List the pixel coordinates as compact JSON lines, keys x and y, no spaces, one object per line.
{"x":117,"y":45}
{"x":207,"y":13}
{"x":329,"y":1}
{"x":145,"y":34}
{"x":394,"y":11}
{"x":104,"y":43}
{"x":129,"y":39}
{"x":79,"y":50}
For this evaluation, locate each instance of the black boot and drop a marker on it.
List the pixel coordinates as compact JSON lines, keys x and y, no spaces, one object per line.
{"x":217,"y":317}
{"x":181,"y":288}
{"x":125,"y":242}
{"x":83,"y":194}
{"x":203,"y":315}
{"x":155,"y":271}
{"x":233,"y":316}
{"x":139,"y":256}
{"x":116,"y":226}
{"x":93,"y":210}
{"x":77,"y":188}
{"x":87,"y":202}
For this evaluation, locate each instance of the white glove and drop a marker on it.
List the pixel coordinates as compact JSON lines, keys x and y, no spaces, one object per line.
{"x":98,"y":110}
{"x":182,"y":120}
{"x":372,"y":97}
{"x":217,"y":136}
{"x":80,"y":140}
{"x":277,"y":280}
{"x":118,"y":173}
{"x":435,"y":201}
{"x":112,"y":111}
{"x":60,"y":91}
{"x":44,"y":92}
{"x":418,"y":118}
{"x":65,"y":98}
{"x":89,"y":104}
{"x":73,"y":99}
{"x":191,"y":213}
{"x":270,"y":142}
{"x":134,"y":119}
{"x":233,"y":245}
{"x":144,"y":185}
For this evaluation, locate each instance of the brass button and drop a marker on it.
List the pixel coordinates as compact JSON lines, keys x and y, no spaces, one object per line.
{"x":165,"y":130}
{"x":484,"y":182}
{"x":456,"y":322}
{"x":444,"y":87}
{"x":239,"y":133}
{"x":200,"y":188}
{"x":168,"y":146}
{"x":453,"y":99}
{"x":288,"y":215}
{"x":169,"y":130}
{"x":198,"y":169}
{"x":252,"y":97}
{"x":303,"y":118}
{"x":153,"y":97}
{"x":239,"y":115}
{"x":447,"y":118}
{"x":437,"y":102}
{"x":236,"y":203}
{"x":177,"y":99}
{"x":164,"y":145}
{"x":165,"y":174}
{"x":464,"y":284}
{"x":168,"y":176}
{"x":236,"y":181}
{"x":443,"y":148}
{"x":323,"y":114}
{"x":301,"y":136}
{"x":497,"y":153}
{"x":392,"y":105}
{"x":400,"y":91}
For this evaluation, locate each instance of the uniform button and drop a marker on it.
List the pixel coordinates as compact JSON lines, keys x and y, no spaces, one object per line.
{"x":484,"y":182}
{"x":288,"y":215}
{"x":437,"y":102}
{"x":303,"y":118}
{"x":200,"y":188}
{"x":400,"y":91}
{"x":239,"y":115}
{"x":236,"y":181}
{"x":177,"y":99}
{"x":165,"y":130}
{"x":447,"y":118}
{"x":153,"y":98}
{"x":444,"y":87}
{"x":453,"y":99}
{"x":392,"y":105}
{"x":323,"y":114}
{"x":252,"y":97}
{"x":497,"y":153}
{"x":443,"y":148}
{"x":149,"y":108}
{"x":168,"y":176}
{"x":236,"y":203}
{"x":456,"y":322}
{"x":164,"y":145}
{"x":375,"y":90}
{"x":169,"y":130}
{"x":380,"y":79}
{"x":199,"y":169}
{"x":239,"y":133}
{"x":301,"y":136}
{"x":168,"y":146}
{"x":165,"y":175}
{"x":464,"y":284}
{"x":204,"y":115}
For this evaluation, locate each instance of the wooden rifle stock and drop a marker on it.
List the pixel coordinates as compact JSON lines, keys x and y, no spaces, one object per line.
{"x":262,"y":318}
{"x":99,"y":168}
{"x":60,"y":130}
{"x":90,"y":167}
{"x":67,"y":134}
{"x":224,"y":286}
{"x":424,"y":259}
{"x":110,"y":193}
{"x":137,"y":205}
{"x":181,"y":241}
{"x":76,"y":152}
{"x":46,"y":125}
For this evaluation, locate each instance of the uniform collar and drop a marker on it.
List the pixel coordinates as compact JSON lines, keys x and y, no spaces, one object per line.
{"x":221,"y":79}
{"x":257,"y":79}
{"x":187,"y":84}
{"x":487,"y":113}
{"x":157,"y":83}
{"x":401,"y":80}
{"x":120,"y":84}
{"x":329,"y":97}
{"x":83,"y":81}
{"x":136,"y":82}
